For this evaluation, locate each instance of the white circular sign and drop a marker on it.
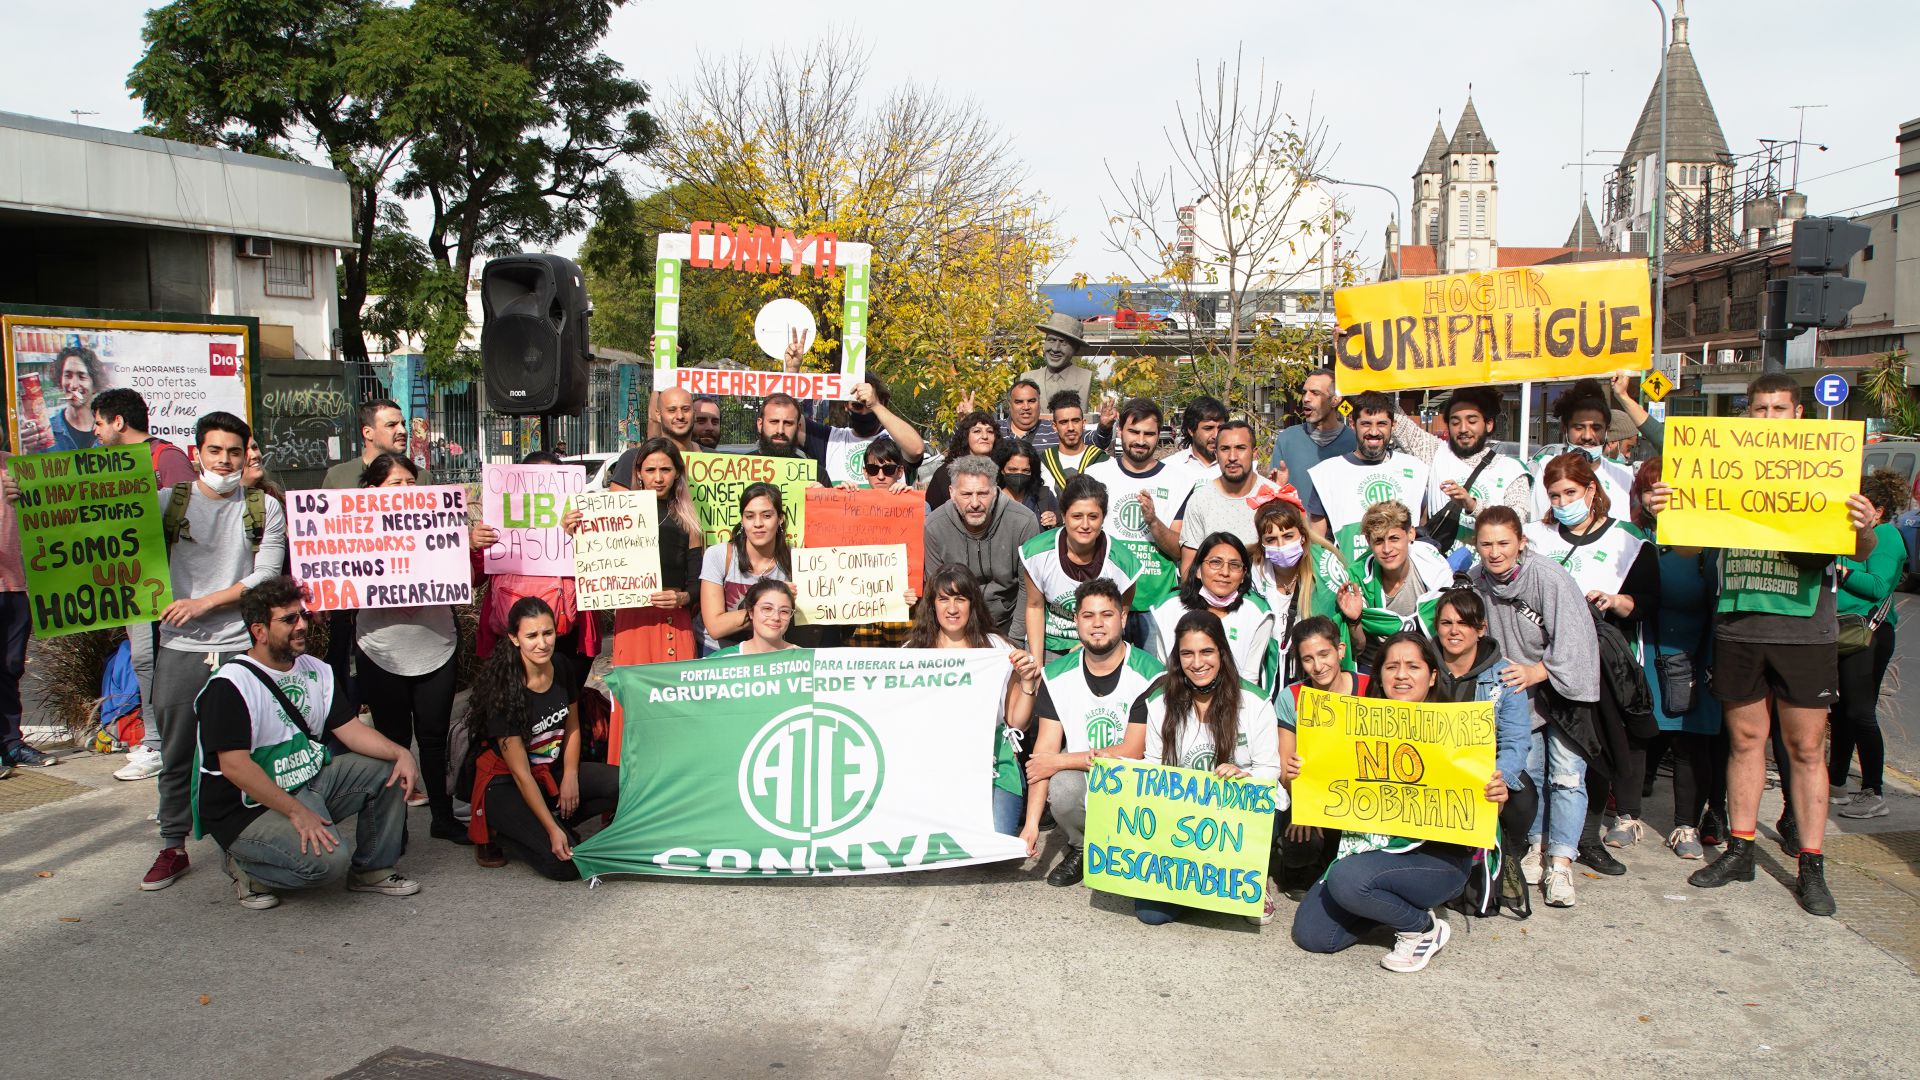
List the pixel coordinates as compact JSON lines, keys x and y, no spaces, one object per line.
{"x":773,"y":328}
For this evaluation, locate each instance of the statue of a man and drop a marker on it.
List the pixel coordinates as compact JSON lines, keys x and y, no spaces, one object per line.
{"x":1060,"y":342}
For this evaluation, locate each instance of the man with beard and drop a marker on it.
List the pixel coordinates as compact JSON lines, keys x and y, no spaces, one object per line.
{"x":1344,"y":487}
{"x":268,"y":787}
{"x":1085,"y":710}
{"x":1463,"y":467}
{"x":1323,"y":435}
{"x":982,"y":529}
{"x":670,"y":414}
{"x":706,"y":424}
{"x":1585,"y":417}
{"x":778,"y":426}
{"x":1023,"y":416}
{"x":841,"y":452}
{"x":1200,"y":425}
{"x":1060,"y":341}
{"x":1140,"y":490}
{"x":1059,"y":464}
{"x":1226,"y":503}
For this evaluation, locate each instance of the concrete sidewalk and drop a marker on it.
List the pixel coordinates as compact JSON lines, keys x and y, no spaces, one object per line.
{"x":971,"y":972}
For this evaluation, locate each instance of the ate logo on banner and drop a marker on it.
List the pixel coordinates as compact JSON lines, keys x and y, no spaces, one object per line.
{"x":223,"y":358}
{"x":811,"y":773}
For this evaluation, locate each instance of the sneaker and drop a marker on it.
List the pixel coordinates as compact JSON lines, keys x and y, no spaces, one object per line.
{"x":1867,"y":803}
{"x":1713,"y":828}
{"x":1811,"y":887}
{"x":384,"y":882}
{"x":1627,"y":830}
{"x":250,"y":896}
{"x":168,"y":867}
{"x":6,"y":770}
{"x":1789,"y":829}
{"x":418,"y":798}
{"x":450,"y":830}
{"x":1530,"y":866}
{"x":1266,"y":911}
{"x":1685,"y":842}
{"x":1837,"y":794}
{"x":1071,"y":869}
{"x":27,"y":757}
{"x":1594,"y":855}
{"x":142,"y":764}
{"x":1560,"y":886}
{"x":1412,"y":951}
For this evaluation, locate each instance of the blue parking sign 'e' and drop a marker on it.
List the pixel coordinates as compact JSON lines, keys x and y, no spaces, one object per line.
{"x":1830,"y":390}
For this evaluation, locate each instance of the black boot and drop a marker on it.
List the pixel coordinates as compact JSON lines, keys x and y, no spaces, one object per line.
{"x":1595,"y":855}
{"x":1734,"y":864}
{"x":446,"y":827}
{"x":1811,"y":890}
{"x":1713,"y":827}
{"x":1789,"y":829}
{"x":1070,"y":870}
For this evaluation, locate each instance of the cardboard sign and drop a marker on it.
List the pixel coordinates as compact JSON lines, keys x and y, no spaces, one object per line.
{"x":1378,"y":766}
{"x":525,"y":503}
{"x":1767,"y":485}
{"x":762,"y":250}
{"x":716,"y":481}
{"x":616,"y":553}
{"x":1184,"y":836}
{"x":379,"y":547}
{"x":837,"y":517}
{"x":91,"y":539}
{"x":851,"y":584}
{"x":1502,"y":326}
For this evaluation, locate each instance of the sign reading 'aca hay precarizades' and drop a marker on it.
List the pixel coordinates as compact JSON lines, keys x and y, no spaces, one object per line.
{"x":802,"y":763}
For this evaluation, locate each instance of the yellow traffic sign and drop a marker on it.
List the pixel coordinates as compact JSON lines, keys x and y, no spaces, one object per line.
{"x":1346,"y":407}
{"x":1656,"y":386}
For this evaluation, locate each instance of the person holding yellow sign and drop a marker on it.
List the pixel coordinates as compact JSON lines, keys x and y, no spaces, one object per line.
{"x":1381,"y":880}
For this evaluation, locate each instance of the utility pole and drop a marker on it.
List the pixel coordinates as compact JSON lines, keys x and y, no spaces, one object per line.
{"x":1800,"y":138}
{"x":1579,"y":214}
{"x":1660,"y":196}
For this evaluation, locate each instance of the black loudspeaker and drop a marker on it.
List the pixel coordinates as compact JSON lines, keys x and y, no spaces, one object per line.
{"x":533,"y":335}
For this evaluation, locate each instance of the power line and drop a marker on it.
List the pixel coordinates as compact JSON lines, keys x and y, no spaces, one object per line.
{"x":1850,"y":168}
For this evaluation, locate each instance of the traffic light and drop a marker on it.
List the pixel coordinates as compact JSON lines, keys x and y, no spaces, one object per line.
{"x":1820,"y":247}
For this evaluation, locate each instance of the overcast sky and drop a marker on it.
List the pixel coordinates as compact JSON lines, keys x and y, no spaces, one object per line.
{"x":1078,"y":84}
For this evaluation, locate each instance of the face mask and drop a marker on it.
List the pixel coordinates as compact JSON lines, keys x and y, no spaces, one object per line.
{"x":1017,"y":484}
{"x":1217,"y":601}
{"x":1199,"y":688}
{"x":1592,"y":452}
{"x":864,"y":424}
{"x":1286,"y":555}
{"x":1571,"y":514}
{"x":219,"y":484}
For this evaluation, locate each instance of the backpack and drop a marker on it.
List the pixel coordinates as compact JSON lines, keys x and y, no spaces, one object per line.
{"x":174,"y":521}
{"x":1623,"y":681}
{"x":505,"y":590}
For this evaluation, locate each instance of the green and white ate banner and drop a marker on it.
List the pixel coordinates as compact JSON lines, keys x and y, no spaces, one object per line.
{"x":805,"y":763}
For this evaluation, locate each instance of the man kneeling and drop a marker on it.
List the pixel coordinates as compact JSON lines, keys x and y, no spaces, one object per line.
{"x":268,"y":788}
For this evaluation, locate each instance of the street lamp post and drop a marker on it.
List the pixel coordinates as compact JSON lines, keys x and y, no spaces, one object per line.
{"x":1659,"y":236}
{"x":1394,"y":195}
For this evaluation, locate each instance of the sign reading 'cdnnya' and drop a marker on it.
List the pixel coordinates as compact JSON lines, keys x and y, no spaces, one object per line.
{"x":800,"y":763}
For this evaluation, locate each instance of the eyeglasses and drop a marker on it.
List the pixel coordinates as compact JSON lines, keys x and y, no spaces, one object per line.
{"x":1218,"y":563}
{"x":881,"y":470}
{"x":294,"y":618}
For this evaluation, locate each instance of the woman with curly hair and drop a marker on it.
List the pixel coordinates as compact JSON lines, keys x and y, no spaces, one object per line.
{"x":976,"y":432}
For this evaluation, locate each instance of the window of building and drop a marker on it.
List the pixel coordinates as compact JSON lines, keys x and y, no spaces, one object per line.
{"x":1473,"y":168}
{"x":1480,"y":215}
{"x":1433,"y":230}
{"x":1462,"y":230}
{"x":290,"y":271}
{"x":1866,"y":254}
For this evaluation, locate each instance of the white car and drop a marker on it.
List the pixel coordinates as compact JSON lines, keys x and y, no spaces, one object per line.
{"x":597,"y":466}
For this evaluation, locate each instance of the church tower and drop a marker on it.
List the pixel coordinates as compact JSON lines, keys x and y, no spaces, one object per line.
{"x":1469,"y":198}
{"x":1699,"y":178}
{"x":1426,"y":191}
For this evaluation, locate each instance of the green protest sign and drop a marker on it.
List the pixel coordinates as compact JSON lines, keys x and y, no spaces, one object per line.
{"x":90,"y":536}
{"x":803,"y":763}
{"x":1183,"y":836}
{"x":715,"y":482}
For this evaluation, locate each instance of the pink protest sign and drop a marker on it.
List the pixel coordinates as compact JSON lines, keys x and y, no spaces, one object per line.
{"x":525,"y":503}
{"x":380,"y":547}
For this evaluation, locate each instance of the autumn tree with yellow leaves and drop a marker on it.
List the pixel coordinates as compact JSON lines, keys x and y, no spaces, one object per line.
{"x":797,"y":141}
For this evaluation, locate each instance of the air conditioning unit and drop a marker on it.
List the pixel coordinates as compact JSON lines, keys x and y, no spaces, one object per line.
{"x":255,"y":247}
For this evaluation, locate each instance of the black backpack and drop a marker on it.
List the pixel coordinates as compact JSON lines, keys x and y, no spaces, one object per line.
{"x":1623,"y":682}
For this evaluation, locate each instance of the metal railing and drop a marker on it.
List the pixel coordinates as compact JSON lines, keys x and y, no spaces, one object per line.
{"x":460,"y":434}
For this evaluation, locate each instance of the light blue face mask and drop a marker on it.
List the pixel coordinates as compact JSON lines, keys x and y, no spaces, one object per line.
{"x":1592,"y":452}
{"x":1571,"y":514}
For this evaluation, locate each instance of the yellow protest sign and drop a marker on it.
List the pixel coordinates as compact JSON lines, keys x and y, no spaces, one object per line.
{"x":1185,"y":836}
{"x":1412,"y":770}
{"x":1501,"y":326}
{"x":863,"y":584}
{"x":1767,"y":485}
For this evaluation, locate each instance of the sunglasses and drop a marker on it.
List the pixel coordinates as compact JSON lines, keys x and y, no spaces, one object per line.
{"x":881,"y":470}
{"x":294,"y":618}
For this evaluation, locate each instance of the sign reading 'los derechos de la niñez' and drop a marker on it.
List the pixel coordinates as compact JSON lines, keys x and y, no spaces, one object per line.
{"x":759,"y":249}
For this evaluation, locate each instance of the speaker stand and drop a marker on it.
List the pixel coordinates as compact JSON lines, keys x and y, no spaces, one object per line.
{"x":546,"y":433}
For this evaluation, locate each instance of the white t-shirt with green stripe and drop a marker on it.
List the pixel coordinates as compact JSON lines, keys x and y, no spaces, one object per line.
{"x":1041,"y":557}
{"x":1169,"y":484}
{"x":1250,"y":634}
{"x":1343,"y":489}
{"x":1091,"y":721}
{"x":1256,"y":744}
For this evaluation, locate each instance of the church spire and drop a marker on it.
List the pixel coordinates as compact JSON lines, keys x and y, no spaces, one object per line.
{"x":1469,"y":135}
{"x":1436,"y":156}
{"x":1679,"y":22}
{"x":1693,"y":130}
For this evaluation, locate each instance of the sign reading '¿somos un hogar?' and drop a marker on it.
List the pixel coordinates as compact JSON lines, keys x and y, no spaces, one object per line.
{"x":379,"y":547}
{"x":90,"y":537}
{"x":1764,"y":485}
{"x":1417,"y":770}
{"x":1183,"y":836}
{"x":1501,"y":326}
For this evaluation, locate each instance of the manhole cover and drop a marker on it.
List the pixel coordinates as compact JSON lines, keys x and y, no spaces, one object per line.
{"x":402,"y":1063}
{"x":28,"y":788}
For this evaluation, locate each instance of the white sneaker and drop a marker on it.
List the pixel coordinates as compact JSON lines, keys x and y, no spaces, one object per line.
{"x":384,"y":882}
{"x":1266,"y":913}
{"x":251,"y":897}
{"x":1412,"y":951}
{"x":1560,"y":887}
{"x":142,"y":764}
{"x":1530,"y":867}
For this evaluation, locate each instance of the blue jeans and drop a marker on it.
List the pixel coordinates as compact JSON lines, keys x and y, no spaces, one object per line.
{"x":1559,"y":770}
{"x":268,"y":850}
{"x":1379,"y":888}
{"x":1009,"y":811}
